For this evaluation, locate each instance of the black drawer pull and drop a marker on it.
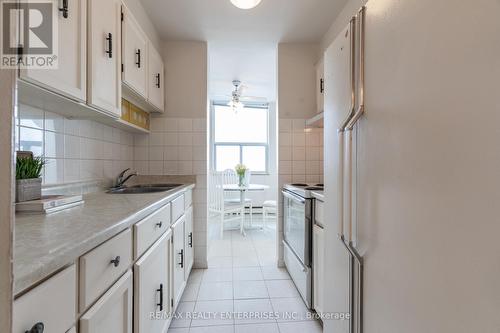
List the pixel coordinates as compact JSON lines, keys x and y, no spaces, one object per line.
{"x":116,"y":261}
{"x":138,"y":53}
{"x":182,"y":259}
{"x":38,"y":328}
{"x":161,"y":297}
{"x":64,"y":9}
{"x":110,"y":45}
{"x":322,"y":86}
{"x":159,"y":224}
{"x":158,"y":80}
{"x":190,"y":237}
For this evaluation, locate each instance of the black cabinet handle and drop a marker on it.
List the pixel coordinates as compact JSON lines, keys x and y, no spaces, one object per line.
{"x":182,"y":259}
{"x":138,"y":53}
{"x":159,"y":224}
{"x":38,"y":328}
{"x":161,"y":297}
{"x":190,"y":237}
{"x":158,"y":80}
{"x":116,"y":261}
{"x":64,"y":9}
{"x":322,"y":85}
{"x":110,"y":45}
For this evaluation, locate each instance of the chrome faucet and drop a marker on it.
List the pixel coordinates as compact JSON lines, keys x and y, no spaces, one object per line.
{"x":121,"y":180}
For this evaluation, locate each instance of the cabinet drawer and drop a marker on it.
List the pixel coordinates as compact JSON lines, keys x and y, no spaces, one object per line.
{"x":319,"y":213}
{"x":188,"y":199}
{"x":177,"y":208}
{"x":113,"y":311}
{"x":98,"y":272}
{"x":150,"y":229}
{"x":52,"y":303}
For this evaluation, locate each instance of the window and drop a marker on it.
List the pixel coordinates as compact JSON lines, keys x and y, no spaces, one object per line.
{"x":241,"y":137}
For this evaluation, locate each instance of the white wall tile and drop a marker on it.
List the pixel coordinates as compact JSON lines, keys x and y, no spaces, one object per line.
{"x":171,"y":153}
{"x":31,"y":139}
{"x":72,"y":126}
{"x":185,"y":139}
{"x":156,"y":153}
{"x":171,"y":139}
{"x":53,"y":172}
{"x":53,"y":122}
{"x":156,"y":139}
{"x":171,"y":124}
{"x":185,"y":125}
{"x":156,"y":167}
{"x":71,"y":170}
{"x":186,"y":154}
{"x":54,"y":145}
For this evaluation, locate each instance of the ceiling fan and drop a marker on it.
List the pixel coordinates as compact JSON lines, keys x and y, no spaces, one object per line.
{"x":237,"y":98}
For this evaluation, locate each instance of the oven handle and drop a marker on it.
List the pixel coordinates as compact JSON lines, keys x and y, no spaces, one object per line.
{"x":293,"y":196}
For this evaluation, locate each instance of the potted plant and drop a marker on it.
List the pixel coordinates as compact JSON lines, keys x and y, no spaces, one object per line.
{"x":28,"y":178}
{"x":241,"y":171}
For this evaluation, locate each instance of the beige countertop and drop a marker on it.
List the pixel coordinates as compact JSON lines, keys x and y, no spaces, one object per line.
{"x":320,"y":195}
{"x":45,"y":244}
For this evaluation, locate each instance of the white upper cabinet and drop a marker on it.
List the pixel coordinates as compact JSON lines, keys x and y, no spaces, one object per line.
{"x":69,"y":79}
{"x":155,"y":79}
{"x":134,"y":54}
{"x":320,"y":85}
{"x":104,"y":55}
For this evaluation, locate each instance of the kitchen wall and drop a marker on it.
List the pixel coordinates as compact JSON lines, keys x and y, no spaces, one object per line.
{"x":75,"y":150}
{"x":300,"y":149}
{"x":177,"y":144}
{"x":428,"y":178}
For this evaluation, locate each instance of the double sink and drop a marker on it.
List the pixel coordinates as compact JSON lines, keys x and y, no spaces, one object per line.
{"x":144,"y":188}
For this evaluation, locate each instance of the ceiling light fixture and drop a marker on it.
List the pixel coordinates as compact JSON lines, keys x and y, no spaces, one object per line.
{"x":245,"y":4}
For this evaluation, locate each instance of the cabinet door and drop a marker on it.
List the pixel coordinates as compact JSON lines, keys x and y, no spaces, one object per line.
{"x":134,"y":54}
{"x":113,"y":311}
{"x":69,"y":78}
{"x":152,"y":288}
{"x":189,"y":249}
{"x":155,"y":79}
{"x":104,"y":55}
{"x":320,"y":86}
{"x":319,"y":271}
{"x":178,"y":260}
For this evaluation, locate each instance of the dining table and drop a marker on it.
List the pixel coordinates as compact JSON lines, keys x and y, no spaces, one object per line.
{"x":244,"y":189}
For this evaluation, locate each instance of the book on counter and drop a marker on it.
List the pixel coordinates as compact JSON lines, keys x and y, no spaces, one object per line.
{"x":50,"y":204}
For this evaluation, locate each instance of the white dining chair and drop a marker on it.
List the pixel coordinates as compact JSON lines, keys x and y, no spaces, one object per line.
{"x":269,"y":206}
{"x":217,"y":204}
{"x":230,"y":177}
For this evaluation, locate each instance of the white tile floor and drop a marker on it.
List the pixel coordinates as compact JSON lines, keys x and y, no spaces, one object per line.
{"x":243,"y":279}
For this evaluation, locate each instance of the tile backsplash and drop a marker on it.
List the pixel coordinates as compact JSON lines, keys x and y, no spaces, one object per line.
{"x":178,"y":146}
{"x":300,"y":152}
{"x":75,"y":150}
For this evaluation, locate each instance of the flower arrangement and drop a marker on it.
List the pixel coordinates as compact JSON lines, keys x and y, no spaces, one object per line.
{"x":29,"y":167}
{"x":28,"y":178}
{"x":241,"y":171}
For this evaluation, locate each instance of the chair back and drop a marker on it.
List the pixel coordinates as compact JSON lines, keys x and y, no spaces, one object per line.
{"x":230,"y":178}
{"x":216,"y":191}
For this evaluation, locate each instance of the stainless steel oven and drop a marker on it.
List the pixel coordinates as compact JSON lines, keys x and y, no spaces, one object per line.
{"x":297,"y":212}
{"x":297,"y":236}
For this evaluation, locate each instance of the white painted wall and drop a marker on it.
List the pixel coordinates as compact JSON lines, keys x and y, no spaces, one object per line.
{"x":186,"y":82}
{"x":429,"y":167}
{"x":297,"y":80}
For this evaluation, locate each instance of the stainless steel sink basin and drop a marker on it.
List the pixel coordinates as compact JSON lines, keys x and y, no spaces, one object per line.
{"x":170,"y":186}
{"x":137,"y":190}
{"x":145,"y":188}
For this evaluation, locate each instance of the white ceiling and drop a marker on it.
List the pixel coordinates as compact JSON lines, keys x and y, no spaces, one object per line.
{"x":272,"y":20}
{"x":243,"y":43}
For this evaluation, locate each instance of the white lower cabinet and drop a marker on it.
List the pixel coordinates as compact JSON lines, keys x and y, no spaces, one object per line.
{"x":178,"y":260}
{"x":319,"y":268}
{"x":189,"y":249}
{"x":51,"y":306}
{"x":113,"y":311}
{"x":152,"y":288}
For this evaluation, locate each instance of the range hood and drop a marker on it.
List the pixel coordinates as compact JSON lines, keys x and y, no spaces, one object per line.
{"x":316,"y":121}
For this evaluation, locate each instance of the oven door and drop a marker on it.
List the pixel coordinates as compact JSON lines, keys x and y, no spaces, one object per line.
{"x":297,"y":225}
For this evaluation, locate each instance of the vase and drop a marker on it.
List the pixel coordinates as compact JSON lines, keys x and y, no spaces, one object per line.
{"x":28,"y":189}
{"x":241,"y":180}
